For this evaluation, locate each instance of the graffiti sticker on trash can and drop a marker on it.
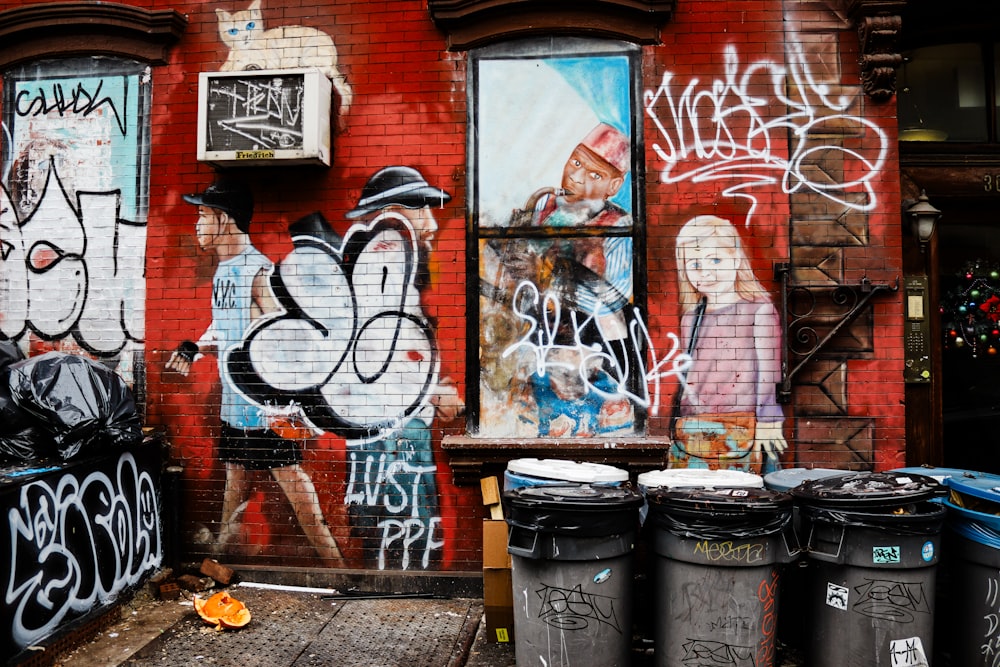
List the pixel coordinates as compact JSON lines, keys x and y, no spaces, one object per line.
{"x":885,"y":554}
{"x":836,"y":596}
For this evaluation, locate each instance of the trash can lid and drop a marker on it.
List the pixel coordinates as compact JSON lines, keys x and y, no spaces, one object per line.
{"x":742,"y":499}
{"x":712,"y":514}
{"x":573,"y":497}
{"x":869,"y":489}
{"x":788,"y":478}
{"x":940,"y":474}
{"x":984,"y":486}
{"x":569,"y":471}
{"x":698,"y":477}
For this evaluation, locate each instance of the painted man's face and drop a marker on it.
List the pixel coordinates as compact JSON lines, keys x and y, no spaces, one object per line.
{"x":711,"y":268}
{"x":424,"y":224}
{"x":586,"y":176}
{"x":209,"y":228}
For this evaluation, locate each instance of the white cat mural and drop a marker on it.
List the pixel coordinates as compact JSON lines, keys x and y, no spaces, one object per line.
{"x":251,"y":47}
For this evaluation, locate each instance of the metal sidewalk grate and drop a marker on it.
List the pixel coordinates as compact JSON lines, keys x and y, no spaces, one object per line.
{"x":303,"y":630}
{"x":397,"y":633}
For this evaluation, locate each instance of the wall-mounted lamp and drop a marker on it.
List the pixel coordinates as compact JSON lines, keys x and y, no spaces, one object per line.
{"x":923,"y":218}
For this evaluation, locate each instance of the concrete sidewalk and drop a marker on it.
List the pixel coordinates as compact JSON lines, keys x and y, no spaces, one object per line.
{"x":292,"y":628}
{"x":300,"y":629}
{"x":306,"y":618}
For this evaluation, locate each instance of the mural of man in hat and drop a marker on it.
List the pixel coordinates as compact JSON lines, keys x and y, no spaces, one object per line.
{"x":240,"y":294}
{"x":401,"y":197}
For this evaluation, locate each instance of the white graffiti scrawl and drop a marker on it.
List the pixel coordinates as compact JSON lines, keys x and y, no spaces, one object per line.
{"x":541,"y":315}
{"x":351,"y":351}
{"x":349,"y":345}
{"x":77,"y":542}
{"x":72,"y":271}
{"x":728,"y":130}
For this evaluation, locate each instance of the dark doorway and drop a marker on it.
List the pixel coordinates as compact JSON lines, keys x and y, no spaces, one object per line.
{"x":969,"y":265}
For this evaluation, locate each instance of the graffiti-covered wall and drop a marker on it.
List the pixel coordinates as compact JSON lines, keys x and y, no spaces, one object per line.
{"x":73,"y":208}
{"x":76,"y":537}
{"x":537,"y":239}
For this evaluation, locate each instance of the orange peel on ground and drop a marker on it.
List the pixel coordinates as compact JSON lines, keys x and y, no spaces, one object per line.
{"x":222,"y":610}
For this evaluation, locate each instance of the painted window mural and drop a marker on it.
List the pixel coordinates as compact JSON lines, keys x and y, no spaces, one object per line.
{"x":73,"y":208}
{"x":555,"y":231}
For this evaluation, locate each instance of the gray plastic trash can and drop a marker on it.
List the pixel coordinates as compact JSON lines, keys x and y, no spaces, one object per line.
{"x":572,"y":549}
{"x":792,"y":629}
{"x":717,"y":573}
{"x":873,"y":543}
{"x":973,"y":568}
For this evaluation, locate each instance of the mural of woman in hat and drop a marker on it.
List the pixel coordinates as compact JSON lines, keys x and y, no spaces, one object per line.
{"x":728,"y":416}
{"x":240,"y":295}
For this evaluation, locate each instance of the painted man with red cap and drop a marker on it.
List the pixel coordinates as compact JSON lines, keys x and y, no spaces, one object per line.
{"x":594,"y":173}
{"x":592,"y":275}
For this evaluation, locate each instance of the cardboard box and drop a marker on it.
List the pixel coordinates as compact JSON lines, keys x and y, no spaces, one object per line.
{"x":500,"y":625}
{"x":490,"y":488}
{"x":498,"y":599}
{"x":498,"y":587}
{"x":495,"y":544}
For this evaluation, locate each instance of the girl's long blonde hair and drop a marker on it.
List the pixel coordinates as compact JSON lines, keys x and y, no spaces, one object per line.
{"x":705,"y":226}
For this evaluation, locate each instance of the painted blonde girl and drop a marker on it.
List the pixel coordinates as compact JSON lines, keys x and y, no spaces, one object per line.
{"x":728,"y":416}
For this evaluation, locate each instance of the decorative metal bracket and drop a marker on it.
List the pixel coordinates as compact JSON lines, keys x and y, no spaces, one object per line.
{"x":802,"y":340}
{"x":879,"y":24}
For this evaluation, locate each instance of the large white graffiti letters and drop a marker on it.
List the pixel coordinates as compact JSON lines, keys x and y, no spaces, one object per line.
{"x":350,"y":346}
{"x":729,"y":130}
{"x":990,"y":648}
{"x":72,"y":271}
{"x":544,"y":314}
{"x":78,"y":542}
{"x":398,"y":491}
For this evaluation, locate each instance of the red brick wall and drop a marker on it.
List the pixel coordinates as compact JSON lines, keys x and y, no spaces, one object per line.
{"x":409,"y":108}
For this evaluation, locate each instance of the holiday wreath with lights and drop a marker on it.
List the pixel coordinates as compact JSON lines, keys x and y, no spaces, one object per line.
{"x":971,"y":310}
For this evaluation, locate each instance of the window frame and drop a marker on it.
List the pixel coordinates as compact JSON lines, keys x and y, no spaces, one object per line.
{"x":536,"y":48}
{"x":988,"y":59}
{"x":74,"y":67}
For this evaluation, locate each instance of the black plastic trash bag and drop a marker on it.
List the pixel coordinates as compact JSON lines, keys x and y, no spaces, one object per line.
{"x":84,"y":406}
{"x":20,"y":438}
{"x":9,"y":354}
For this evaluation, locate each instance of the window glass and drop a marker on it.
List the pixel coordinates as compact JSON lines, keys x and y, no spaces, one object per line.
{"x":942,"y":94}
{"x":555,"y":235}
